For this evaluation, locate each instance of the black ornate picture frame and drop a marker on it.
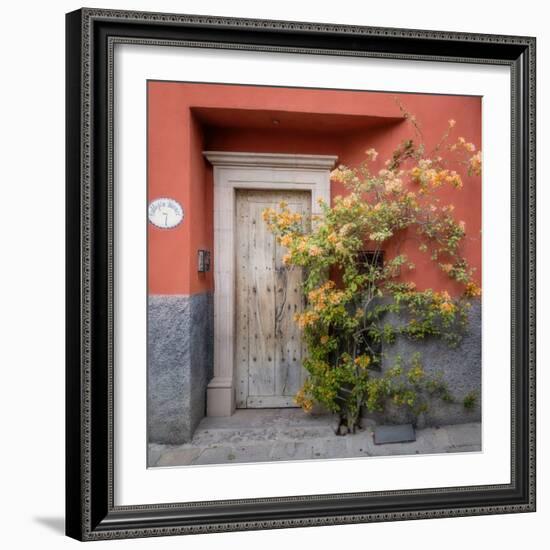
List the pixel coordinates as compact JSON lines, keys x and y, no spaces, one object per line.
{"x":90,"y":509}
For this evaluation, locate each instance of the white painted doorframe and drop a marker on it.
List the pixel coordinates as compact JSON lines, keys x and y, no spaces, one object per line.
{"x":232,"y":171}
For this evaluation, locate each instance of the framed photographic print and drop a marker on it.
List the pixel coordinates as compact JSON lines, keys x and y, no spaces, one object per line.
{"x":300,"y":274}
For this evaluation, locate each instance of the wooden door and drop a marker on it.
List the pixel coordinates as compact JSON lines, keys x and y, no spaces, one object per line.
{"x":268,"y":342}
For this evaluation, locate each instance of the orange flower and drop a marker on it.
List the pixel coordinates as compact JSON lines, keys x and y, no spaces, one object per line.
{"x":336,"y":297}
{"x":345,"y":229}
{"x":267,"y":214}
{"x":306,"y":319}
{"x":475,"y":164}
{"x":393,"y":185}
{"x":372,"y":154}
{"x":302,"y":245}
{"x":286,"y":240}
{"x":362,"y":361}
{"x":472,"y":290}
{"x":303,"y":401}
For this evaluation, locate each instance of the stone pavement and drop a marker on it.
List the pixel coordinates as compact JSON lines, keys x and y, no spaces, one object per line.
{"x":259,"y":435}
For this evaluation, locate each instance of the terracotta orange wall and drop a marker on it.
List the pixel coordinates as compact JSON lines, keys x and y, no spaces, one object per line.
{"x":176,"y":139}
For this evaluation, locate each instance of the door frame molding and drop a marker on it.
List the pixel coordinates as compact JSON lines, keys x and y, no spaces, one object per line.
{"x":238,"y":170}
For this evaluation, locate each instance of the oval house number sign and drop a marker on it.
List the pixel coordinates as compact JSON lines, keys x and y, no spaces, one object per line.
{"x":165,"y":213}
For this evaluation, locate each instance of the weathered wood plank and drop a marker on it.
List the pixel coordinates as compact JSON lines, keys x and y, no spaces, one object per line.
{"x":242,"y":298}
{"x":289,"y":372}
{"x":261,"y":366}
{"x":270,"y":402}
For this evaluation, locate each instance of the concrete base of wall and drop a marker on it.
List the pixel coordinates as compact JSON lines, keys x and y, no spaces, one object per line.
{"x":460,"y":369}
{"x":179,"y":365}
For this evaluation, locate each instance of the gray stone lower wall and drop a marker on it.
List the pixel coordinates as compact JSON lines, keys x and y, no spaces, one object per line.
{"x":460,"y":369}
{"x":180,"y":336}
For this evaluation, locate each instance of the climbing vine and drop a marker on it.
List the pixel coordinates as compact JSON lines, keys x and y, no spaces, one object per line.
{"x":355,"y":302}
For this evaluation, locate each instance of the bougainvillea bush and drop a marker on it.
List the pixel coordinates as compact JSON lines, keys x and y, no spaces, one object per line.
{"x":355,"y":302}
